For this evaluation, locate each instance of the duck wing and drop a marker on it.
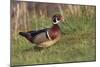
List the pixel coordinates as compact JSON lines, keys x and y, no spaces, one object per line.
{"x":36,"y":36}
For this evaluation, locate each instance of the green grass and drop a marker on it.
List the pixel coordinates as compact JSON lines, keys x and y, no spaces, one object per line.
{"x":77,"y":44}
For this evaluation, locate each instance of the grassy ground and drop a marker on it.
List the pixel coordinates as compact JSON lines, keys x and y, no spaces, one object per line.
{"x":77,"y":44}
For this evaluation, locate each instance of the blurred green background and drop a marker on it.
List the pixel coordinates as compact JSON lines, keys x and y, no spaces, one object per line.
{"x":78,"y":42}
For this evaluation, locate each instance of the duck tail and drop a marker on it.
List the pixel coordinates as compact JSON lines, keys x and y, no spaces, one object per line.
{"x":25,"y":34}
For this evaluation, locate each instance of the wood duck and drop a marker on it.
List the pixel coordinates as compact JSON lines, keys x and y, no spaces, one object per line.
{"x":45,"y":37}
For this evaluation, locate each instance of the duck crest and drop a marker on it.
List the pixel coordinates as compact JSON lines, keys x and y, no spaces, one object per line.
{"x":54,"y":31}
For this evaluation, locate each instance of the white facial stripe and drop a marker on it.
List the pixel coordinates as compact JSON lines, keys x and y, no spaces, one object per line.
{"x":56,"y":21}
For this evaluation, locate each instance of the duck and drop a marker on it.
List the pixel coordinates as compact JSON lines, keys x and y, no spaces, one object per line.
{"x":45,"y":37}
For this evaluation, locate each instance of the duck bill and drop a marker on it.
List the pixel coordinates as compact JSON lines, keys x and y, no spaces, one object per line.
{"x":63,"y":21}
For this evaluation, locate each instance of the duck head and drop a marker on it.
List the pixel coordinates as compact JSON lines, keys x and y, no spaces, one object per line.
{"x":57,"y":18}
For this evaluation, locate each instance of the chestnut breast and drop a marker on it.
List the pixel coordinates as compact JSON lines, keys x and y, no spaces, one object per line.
{"x":54,"y":32}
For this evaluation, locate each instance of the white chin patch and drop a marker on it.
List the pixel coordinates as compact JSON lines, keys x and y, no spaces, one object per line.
{"x":56,"y":22}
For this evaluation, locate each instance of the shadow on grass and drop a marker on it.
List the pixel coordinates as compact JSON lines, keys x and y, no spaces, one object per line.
{"x":35,"y":48}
